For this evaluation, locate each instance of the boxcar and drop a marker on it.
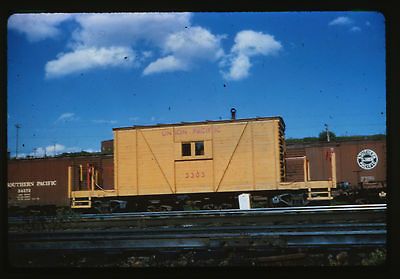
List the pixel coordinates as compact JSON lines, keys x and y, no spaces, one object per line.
{"x":358,"y":162}
{"x":43,"y":182}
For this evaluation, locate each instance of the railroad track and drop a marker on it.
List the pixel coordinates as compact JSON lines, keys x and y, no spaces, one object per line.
{"x":261,"y":216}
{"x":338,"y":235}
{"x":323,"y":226}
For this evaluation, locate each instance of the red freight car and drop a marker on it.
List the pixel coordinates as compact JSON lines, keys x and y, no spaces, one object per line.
{"x":44,"y":181}
{"x":352,"y":165}
{"x":360,"y":164}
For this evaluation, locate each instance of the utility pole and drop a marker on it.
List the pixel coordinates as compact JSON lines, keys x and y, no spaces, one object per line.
{"x":16,"y":148}
{"x":327,"y":133}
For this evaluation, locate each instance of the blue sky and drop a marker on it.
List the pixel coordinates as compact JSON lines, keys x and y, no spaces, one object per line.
{"x":73,"y":77}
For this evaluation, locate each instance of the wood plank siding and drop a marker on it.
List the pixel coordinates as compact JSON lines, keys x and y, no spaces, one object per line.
{"x":237,"y":155}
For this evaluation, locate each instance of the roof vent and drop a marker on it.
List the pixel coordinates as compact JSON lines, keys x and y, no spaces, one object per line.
{"x":233,"y":113}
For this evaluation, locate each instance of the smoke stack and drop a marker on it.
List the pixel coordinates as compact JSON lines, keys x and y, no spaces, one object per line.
{"x":233,"y":113}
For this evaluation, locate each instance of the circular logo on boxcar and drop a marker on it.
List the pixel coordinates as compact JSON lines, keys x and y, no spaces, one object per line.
{"x":367,"y":159}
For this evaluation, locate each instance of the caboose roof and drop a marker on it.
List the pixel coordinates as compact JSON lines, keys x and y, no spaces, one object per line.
{"x":279,"y":118}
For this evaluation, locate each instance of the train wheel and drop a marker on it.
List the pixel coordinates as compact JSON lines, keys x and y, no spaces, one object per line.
{"x":151,"y":208}
{"x":226,"y":206}
{"x":209,"y":206}
{"x":165,"y":208}
{"x":361,"y":201}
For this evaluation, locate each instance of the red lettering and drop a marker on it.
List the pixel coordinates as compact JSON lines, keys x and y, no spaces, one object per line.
{"x":195,"y":174}
{"x":180,"y":132}
{"x":201,"y":130}
{"x":166,"y":133}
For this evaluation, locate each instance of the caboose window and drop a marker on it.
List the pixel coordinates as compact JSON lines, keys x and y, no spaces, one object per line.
{"x":186,"y":150}
{"x":199,"y":148}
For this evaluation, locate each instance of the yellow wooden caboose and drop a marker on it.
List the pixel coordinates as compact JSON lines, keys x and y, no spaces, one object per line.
{"x":238,"y":155}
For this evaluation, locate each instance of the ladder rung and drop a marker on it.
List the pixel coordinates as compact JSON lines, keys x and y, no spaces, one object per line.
{"x":319,"y":198}
{"x":319,"y":189}
{"x":82,"y":203}
{"x":324,"y":192}
{"x":320,"y":194}
{"x":81,"y":206}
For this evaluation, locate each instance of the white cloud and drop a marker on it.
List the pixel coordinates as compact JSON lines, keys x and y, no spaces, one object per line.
{"x":248,"y":43}
{"x":341,"y":20}
{"x":90,"y":150}
{"x":56,"y":149}
{"x":89,"y":58}
{"x":240,"y":66}
{"x":185,"y":48}
{"x":251,"y":43}
{"x":345,"y":21}
{"x":39,"y":26}
{"x":67,"y":116}
{"x":126,"y":29}
{"x":194,"y":42}
{"x":49,"y":150}
{"x":21,"y":155}
{"x":146,"y":54}
{"x":134,"y":118}
{"x":102,"y":121}
{"x":355,"y":29}
{"x":102,"y":40}
{"x":165,"y":64}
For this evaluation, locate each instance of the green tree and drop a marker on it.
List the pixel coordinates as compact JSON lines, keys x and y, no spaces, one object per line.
{"x":323,"y":136}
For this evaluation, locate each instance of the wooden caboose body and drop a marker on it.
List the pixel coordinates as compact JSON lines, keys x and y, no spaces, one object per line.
{"x":205,"y":157}
{"x":242,"y":155}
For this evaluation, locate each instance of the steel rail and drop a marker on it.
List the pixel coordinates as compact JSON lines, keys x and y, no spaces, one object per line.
{"x":308,"y":235}
{"x":209,"y":213}
{"x":240,"y":211}
{"x":323,"y":226}
{"x":197,"y":229}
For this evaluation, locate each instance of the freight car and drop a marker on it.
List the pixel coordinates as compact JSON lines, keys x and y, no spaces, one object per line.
{"x":203,"y":165}
{"x":42,"y":183}
{"x":360,"y":165}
